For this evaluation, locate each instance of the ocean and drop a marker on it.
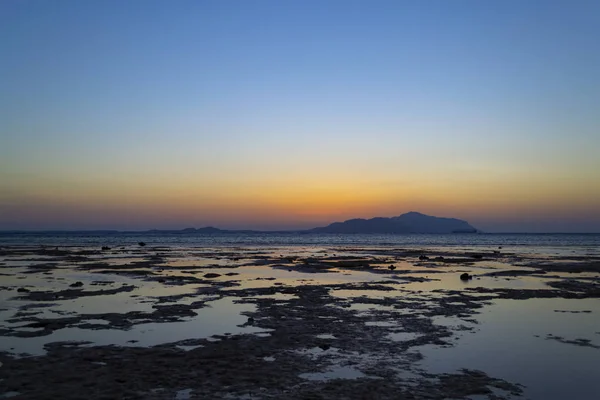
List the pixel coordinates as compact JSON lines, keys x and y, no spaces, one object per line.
{"x":587,"y":243}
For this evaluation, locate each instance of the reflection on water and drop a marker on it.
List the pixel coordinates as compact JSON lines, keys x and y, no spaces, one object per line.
{"x":198,"y":262}
{"x":336,"y":372}
{"x":402,"y":336}
{"x":184,"y":394}
{"x":221,"y":317}
{"x":511,"y":344}
{"x":381,"y":323}
{"x":325,"y":336}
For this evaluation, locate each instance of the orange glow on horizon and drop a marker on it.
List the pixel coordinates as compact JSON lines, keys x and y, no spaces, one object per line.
{"x":294,"y":199}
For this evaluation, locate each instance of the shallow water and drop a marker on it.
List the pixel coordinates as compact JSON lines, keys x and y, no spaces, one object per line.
{"x":508,"y":339}
{"x":505,"y":345}
{"x":218,"y":318}
{"x":336,"y":372}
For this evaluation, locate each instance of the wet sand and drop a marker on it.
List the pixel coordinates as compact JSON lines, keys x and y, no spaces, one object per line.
{"x":296,"y":322}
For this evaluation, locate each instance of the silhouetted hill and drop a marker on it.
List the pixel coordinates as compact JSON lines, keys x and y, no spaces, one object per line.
{"x":207,"y":229}
{"x":412,"y":222}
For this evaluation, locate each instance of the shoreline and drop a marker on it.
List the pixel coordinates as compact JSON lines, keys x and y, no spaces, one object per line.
{"x":230,"y":322}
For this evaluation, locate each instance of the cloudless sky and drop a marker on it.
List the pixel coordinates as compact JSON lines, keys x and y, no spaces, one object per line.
{"x":288,"y":114}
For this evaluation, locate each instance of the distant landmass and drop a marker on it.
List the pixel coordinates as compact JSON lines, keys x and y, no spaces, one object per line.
{"x":411,"y":222}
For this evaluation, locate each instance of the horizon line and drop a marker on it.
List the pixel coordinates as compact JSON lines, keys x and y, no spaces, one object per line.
{"x":34,"y":231}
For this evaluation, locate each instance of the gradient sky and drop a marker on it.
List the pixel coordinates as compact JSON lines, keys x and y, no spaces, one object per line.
{"x":287,"y":114}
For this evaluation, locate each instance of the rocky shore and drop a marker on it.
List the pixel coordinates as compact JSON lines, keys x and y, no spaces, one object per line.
{"x":144,"y":322}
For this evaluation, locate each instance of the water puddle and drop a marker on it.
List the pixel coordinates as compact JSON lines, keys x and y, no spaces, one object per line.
{"x":316,"y":352}
{"x":222,"y":317}
{"x":198,"y":263}
{"x":189,"y":348}
{"x":403,"y":336}
{"x":325,"y":336}
{"x":371,"y":294}
{"x":184,"y":394}
{"x":8,"y":395}
{"x":381,"y":323}
{"x":336,"y":372}
{"x":510,"y":342}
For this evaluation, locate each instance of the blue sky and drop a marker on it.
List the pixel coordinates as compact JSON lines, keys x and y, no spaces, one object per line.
{"x":277,"y":114}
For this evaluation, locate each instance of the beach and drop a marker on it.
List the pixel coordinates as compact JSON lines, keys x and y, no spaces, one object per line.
{"x":304,"y":200}
{"x":182,"y":321}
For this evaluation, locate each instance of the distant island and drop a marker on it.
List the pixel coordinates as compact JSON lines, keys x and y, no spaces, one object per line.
{"x":411,"y":222}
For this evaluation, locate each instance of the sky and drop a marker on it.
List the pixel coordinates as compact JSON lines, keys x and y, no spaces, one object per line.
{"x":292,"y":114}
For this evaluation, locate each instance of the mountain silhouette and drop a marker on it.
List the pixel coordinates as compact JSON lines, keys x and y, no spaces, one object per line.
{"x":411,"y":222}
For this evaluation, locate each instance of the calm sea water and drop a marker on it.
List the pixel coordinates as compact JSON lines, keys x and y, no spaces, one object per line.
{"x":586,"y":243}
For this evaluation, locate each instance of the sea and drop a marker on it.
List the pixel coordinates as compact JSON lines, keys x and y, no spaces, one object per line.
{"x":585,"y":244}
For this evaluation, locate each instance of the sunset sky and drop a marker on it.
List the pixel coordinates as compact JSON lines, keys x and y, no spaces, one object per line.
{"x":145,"y":114}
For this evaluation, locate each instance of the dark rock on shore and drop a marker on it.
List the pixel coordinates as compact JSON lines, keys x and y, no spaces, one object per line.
{"x":465,"y":277}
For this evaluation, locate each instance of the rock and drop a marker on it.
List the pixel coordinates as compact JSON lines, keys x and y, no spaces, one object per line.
{"x":76,"y":284}
{"x":325,"y":347}
{"x":142,"y":244}
{"x":439,"y":258}
{"x":212,"y":275}
{"x":39,"y":324}
{"x":392,"y":267}
{"x":465,"y":277}
{"x":105,"y":248}
{"x":23,"y":290}
{"x":423,"y":258}
{"x":476,"y":256}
